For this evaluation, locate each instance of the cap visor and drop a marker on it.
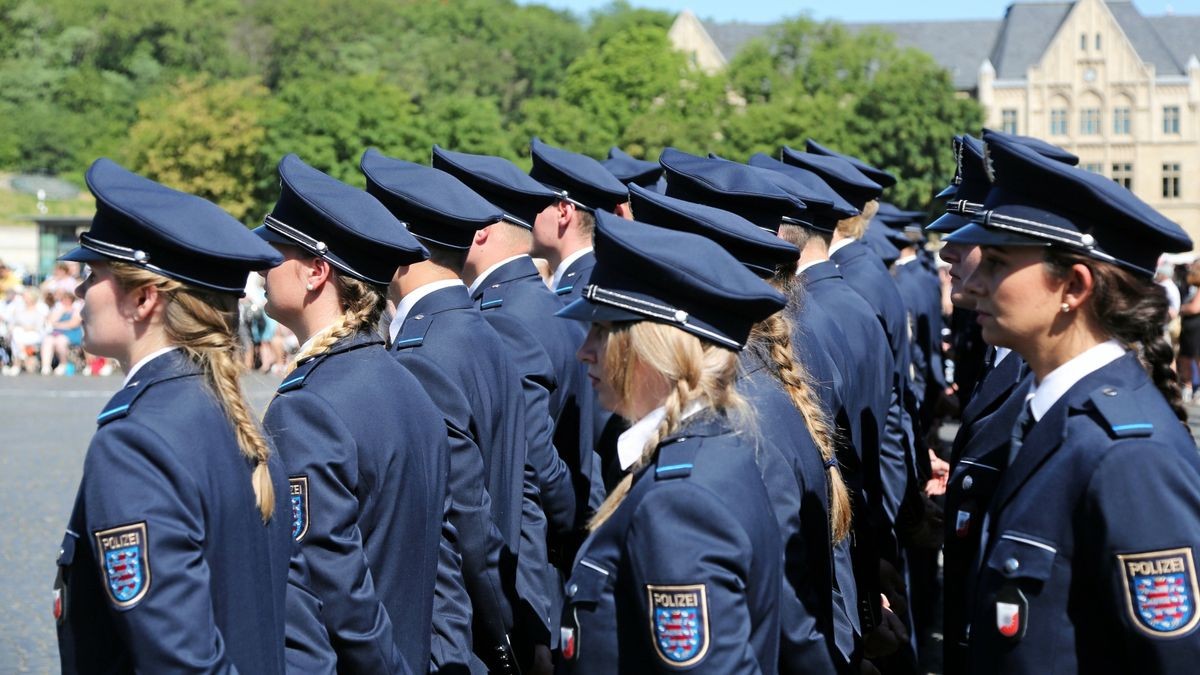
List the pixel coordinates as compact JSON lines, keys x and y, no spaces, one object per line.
{"x":974,"y":234}
{"x":946,"y":223}
{"x":271,"y":237}
{"x":83,"y":255}
{"x":948,"y":191}
{"x":583,"y":309}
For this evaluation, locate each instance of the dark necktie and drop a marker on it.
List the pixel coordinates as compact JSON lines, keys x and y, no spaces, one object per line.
{"x":1025,"y":422}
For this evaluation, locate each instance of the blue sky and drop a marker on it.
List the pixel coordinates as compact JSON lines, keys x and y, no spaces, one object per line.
{"x":847,"y":10}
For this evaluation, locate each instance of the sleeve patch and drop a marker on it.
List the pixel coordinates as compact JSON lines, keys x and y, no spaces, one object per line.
{"x":124,"y":557}
{"x":1161,"y":591}
{"x":679,"y":623}
{"x":298,"y":495}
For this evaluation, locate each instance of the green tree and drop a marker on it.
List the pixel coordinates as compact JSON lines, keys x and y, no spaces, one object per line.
{"x":204,"y":138}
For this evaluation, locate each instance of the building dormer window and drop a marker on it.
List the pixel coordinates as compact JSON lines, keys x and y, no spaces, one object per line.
{"x":1170,"y":119}
{"x":1083,"y":42}
{"x":1097,"y":42}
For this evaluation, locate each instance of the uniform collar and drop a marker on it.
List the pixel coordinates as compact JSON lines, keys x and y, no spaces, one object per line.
{"x":566,"y":265}
{"x":143,"y":361}
{"x":632,"y":442}
{"x":409,"y":301}
{"x":482,"y":278}
{"x":904,"y":260}
{"x":1001,"y":352}
{"x":810,"y":264}
{"x":840,"y":244}
{"x":1046,"y":393}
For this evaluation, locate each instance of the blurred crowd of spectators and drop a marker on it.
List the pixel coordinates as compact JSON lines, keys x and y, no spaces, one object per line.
{"x":41,"y":327}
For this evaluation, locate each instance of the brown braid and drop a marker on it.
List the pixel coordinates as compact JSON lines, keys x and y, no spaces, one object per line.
{"x":698,"y":370}
{"x":775,"y":334}
{"x":204,"y":324}
{"x":362,"y":305}
{"x":1133,"y":310}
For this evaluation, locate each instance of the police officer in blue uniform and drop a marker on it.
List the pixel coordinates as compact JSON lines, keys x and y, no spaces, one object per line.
{"x":682,"y":569}
{"x":176,"y":555}
{"x":437,"y":323}
{"x":563,"y":238}
{"x":504,"y":281}
{"x":364,"y":445}
{"x":1087,"y":558}
{"x":798,"y":430}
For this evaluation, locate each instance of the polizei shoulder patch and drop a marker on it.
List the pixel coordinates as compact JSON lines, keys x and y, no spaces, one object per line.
{"x":124,"y":556}
{"x":679,"y":623}
{"x":1161,"y":591}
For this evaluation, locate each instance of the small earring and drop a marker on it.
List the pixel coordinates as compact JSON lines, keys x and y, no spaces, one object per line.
{"x":309,"y":287}
{"x":1065,"y":308}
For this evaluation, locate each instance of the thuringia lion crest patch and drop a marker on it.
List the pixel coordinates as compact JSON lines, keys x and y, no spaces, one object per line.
{"x":124,"y":556}
{"x":679,"y":623}
{"x":1161,"y":591}
{"x":298,"y":495}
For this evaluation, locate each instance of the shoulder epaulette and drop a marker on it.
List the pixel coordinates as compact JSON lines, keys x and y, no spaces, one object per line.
{"x":566,"y":284}
{"x":295,"y":379}
{"x":493,"y":297}
{"x":675,"y":459}
{"x":412,"y":333}
{"x":118,"y":405}
{"x":1121,"y":412}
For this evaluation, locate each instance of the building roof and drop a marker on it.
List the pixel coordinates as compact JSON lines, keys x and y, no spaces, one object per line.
{"x":1012,"y":44}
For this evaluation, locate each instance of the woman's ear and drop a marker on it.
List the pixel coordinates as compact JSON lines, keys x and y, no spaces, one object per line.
{"x":141,"y":303}
{"x":1078,"y":287}
{"x":317,"y":273}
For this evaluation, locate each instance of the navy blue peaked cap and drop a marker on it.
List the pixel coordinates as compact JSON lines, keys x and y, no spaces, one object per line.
{"x":438,"y":208}
{"x":648,"y":273}
{"x":584,"y":180}
{"x":842,"y":176}
{"x":883,"y":240}
{"x":729,"y":186}
{"x":172,"y":233}
{"x":1039,"y":201}
{"x":885,"y":179}
{"x":760,"y":251}
{"x":629,"y":169}
{"x":896,"y":217}
{"x":1039,"y":146}
{"x":825,"y":206}
{"x":339,"y":223}
{"x":971,"y":186}
{"x":500,"y":182}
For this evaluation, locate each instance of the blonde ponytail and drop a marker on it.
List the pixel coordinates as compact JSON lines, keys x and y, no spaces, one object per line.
{"x":775,"y":335}
{"x":362,"y":305}
{"x":697,"y":370}
{"x":204,"y":324}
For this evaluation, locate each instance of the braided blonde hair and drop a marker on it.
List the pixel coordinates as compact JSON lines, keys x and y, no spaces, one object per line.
{"x":204,"y":324}
{"x":774,"y":335}
{"x":362,"y":305}
{"x":696,"y":369}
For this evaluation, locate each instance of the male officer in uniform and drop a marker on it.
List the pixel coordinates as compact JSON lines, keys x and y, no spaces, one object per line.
{"x":437,"y":323}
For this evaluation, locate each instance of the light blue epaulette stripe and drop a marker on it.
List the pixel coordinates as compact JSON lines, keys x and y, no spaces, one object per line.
{"x":563,"y":290}
{"x":410,"y":341}
{"x":491,"y":303}
{"x":1128,"y":427}
{"x":293,"y":380}
{"x":673,"y":467}
{"x":114,"y":411}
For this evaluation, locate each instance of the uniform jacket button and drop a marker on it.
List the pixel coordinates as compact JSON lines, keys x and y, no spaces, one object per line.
{"x":1011,"y":566}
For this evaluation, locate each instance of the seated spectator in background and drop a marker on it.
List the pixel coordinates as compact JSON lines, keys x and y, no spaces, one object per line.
{"x":64,"y":277}
{"x":26,"y":317}
{"x":9,"y":281}
{"x":65,"y":331}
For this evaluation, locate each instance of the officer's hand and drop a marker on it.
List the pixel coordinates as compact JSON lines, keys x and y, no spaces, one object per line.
{"x":891,"y":584}
{"x":887,"y":637}
{"x":940,"y":475}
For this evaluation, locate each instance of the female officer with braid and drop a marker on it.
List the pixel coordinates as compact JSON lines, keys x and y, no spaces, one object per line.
{"x":176,"y":556}
{"x":683,"y":564}
{"x":365,"y":447}
{"x":1087,"y":562}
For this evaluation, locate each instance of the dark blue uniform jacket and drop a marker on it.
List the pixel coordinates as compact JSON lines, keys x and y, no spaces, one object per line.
{"x":1094,"y":532}
{"x":366,"y":454}
{"x":685,"y":574}
{"x":166,"y":565}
